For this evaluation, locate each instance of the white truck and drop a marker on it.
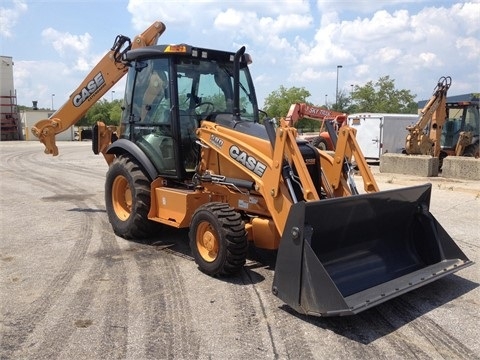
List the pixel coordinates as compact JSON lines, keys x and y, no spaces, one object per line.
{"x":379,"y":133}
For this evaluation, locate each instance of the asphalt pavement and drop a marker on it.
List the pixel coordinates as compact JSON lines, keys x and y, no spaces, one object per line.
{"x":71,"y":289}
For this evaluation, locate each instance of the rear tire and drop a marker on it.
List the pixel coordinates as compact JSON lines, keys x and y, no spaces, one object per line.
{"x":218,"y":239}
{"x":127,"y":199}
{"x":320,"y":143}
{"x":472,"y":150}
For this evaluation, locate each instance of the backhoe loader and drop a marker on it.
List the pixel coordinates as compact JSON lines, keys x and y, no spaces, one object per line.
{"x":190,"y":152}
{"x":445,"y":128}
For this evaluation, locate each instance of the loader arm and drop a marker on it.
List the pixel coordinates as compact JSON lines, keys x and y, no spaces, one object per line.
{"x":433,"y":116}
{"x":268,"y":166}
{"x":258,"y":162}
{"x":347,"y":149}
{"x":109,"y":70}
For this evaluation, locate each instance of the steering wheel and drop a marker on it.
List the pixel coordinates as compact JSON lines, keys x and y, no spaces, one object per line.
{"x":209,"y":108}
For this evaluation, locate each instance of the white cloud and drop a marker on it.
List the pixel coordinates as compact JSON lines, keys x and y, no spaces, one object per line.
{"x":65,"y":43}
{"x":380,"y":27}
{"x":9,"y":17}
{"x":38,"y":85}
{"x":414,"y":49}
{"x":361,"y":6}
{"x":469,"y":48}
{"x":236,"y":18}
{"x":388,"y":54}
{"x":470,"y":14}
{"x":228,"y":19}
{"x":293,"y":43}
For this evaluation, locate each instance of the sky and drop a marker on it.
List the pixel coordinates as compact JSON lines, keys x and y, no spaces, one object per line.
{"x":55,"y":43}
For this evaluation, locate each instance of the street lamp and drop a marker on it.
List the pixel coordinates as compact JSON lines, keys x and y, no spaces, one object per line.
{"x":113,"y":92}
{"x":336,"y":90}
{"x":326,"y":95}
{"x":52,"y":100}
{"x":351,"y":90}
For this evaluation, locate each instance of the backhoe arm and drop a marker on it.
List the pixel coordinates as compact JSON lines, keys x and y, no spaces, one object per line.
{"x":104,"y":75}
{"x":432,"y":115}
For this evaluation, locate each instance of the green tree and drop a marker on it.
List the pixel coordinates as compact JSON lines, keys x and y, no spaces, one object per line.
{"x":382,"y":96}
{"x":108,"y":112}
{"x":278,"y":102}
{"x":115,"y":113}
{"x":344,"y":102}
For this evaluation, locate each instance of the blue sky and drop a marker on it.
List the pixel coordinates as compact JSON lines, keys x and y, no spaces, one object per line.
{"x":55,"y":43}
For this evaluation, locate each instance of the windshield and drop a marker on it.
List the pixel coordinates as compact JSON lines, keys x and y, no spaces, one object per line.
{"x":459,"y":119}
{"x":207,"y":87}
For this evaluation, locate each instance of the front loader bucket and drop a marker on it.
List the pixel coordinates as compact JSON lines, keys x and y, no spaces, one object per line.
{"x":344,"y":255}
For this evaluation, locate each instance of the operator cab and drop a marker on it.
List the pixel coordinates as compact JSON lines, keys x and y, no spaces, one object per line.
{"x":461,"y":117}
{"x":170,"y":89}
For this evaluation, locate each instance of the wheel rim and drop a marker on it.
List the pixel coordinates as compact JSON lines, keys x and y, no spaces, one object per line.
{"x":121,"y":197}
{"x":207,"y":242}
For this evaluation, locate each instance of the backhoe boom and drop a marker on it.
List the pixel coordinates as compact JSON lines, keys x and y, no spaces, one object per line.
{"x":109,"y":70}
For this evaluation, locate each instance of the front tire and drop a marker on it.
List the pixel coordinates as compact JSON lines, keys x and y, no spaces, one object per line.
{"x":127,"y":199}
{"x":218,"y":239}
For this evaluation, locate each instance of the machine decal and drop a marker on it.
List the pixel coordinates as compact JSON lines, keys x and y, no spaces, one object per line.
{"x":216,"y":141}
{"x":247,"y":160}
{"x":92,"y":87}
{"x":314,"y":111}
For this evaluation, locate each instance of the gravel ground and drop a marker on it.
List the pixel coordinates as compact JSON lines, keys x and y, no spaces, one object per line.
{"x":71,"y":289}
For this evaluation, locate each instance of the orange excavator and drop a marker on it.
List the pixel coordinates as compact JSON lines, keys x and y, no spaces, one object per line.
{"x":323,"y":140}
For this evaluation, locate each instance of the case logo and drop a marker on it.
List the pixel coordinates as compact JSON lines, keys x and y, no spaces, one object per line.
{"x":92,"y":87}
{"x":248,"y":161}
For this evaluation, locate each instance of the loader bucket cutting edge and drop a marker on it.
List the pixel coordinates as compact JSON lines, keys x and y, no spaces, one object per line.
{"x":344,"y":255}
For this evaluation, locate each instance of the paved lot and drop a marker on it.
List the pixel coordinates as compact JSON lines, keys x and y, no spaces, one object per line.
{"x":71,"y":289}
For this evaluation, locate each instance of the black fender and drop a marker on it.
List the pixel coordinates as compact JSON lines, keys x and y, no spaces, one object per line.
{"x":123,"y":146}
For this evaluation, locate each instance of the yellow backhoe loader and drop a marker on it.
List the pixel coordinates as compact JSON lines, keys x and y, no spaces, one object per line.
{"x":190,"y":152}
{"x":445,"y":128}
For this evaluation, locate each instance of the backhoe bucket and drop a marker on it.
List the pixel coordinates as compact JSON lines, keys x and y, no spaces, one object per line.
{"x":344,"y":255}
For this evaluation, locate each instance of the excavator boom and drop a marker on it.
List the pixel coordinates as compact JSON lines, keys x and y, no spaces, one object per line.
{"x":432,"y":115}
{"x":109,"y":70}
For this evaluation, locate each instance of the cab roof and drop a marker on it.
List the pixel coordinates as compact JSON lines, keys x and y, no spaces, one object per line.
{"x":183,"y":50}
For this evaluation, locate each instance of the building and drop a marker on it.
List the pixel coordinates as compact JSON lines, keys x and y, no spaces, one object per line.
{"x":15,"y":124}
{"x":29,"y":118}
{"x":10,"y":126}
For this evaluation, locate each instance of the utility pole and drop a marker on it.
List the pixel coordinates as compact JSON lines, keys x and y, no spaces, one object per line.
{"x":336,"y":90}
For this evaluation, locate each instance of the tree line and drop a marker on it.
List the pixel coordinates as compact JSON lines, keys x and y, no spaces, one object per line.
{"x":380,"y":96}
